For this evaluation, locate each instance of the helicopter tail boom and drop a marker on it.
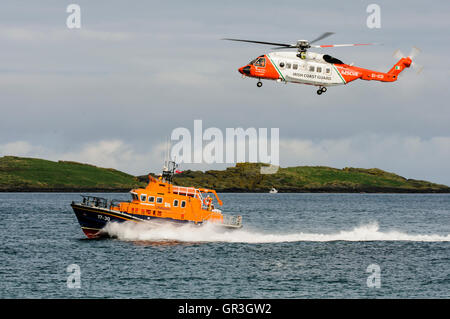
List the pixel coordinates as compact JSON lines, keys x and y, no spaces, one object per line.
{"x":390,"y":76}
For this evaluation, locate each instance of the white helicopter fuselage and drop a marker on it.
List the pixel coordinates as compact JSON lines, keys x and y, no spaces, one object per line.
{"x":313,"y":69}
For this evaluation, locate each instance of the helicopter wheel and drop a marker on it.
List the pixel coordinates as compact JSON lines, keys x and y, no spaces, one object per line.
{"x":321,"y":90}
{"x":259,"y":84}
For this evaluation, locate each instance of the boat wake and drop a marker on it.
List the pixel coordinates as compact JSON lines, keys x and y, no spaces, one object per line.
{"x":130,"y":231}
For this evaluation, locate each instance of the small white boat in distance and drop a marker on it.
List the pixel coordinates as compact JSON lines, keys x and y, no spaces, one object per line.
{"x":273,"y":191}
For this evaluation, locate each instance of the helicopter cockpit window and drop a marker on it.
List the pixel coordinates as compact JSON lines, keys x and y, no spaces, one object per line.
{"x":252,"y":61}
{"x":261,"y":62}
{"x":330,"y":59}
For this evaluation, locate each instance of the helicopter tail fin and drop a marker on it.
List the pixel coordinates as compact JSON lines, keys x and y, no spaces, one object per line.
{"x":400,"y":66}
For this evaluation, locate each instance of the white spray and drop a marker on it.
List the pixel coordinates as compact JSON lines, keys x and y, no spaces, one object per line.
{"x":131,"y":231}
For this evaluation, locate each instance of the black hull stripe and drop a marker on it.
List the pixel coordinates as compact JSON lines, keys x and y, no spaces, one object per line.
{"x":91,"y":219}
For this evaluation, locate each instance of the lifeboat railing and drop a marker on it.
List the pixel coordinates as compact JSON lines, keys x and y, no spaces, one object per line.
{"x":184,"y":190}
{"x":94,"y":201}
{"x":231,"y":220}
{"x":100,"y":202}
{"x":187,"y":191}
{"x":228,"y":220}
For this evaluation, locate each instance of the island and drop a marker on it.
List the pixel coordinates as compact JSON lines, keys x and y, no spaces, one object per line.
{"x":19,"y":174}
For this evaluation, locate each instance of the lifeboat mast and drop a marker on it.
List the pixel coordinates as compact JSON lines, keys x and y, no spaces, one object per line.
{"x":169,"y":171}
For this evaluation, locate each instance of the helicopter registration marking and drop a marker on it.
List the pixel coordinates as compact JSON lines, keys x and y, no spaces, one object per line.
{"x":379,"y":76}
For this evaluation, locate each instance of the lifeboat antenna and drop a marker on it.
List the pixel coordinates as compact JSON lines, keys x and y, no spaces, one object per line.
{"x":169,"y":166}
{"x":166,"y":157}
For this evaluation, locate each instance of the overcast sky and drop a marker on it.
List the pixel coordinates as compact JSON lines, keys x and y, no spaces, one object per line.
{"x":111,"y":92}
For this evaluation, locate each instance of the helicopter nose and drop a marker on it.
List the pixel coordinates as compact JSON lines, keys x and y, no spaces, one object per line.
{"x":245,"y":70}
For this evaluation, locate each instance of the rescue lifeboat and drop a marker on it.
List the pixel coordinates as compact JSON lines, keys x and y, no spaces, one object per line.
{"x":160,"y":200}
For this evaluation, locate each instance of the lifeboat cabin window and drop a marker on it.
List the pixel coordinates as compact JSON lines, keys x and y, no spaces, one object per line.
{"x":159,"y":200}
{"x":261,"y":62}
{"x":151,"y":199}
{"x":183,"y":203}
{"x":143,"y":198}
{"x":134,"y":196}
{"x":175,"y":203}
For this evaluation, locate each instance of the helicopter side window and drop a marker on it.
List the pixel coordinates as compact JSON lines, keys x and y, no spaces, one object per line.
{"x":311,"y":68}
{"x":330,"y":59}
{"x":261,"y":62}
{"x":295,"y":66}
{"x":281,"y":64}
{"x":327,"y":70}
{"x":319,"y":69}
{"x":288,"y":65}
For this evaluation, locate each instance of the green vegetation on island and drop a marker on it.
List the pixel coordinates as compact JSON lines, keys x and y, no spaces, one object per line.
{"x":30,"y":174}
{"x":246,"y":177}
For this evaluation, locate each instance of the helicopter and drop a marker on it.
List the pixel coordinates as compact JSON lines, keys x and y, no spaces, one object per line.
{"x":311,"y":68}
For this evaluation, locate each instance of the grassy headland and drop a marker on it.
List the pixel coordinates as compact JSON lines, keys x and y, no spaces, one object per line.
{"x":30,"y":174}
{"x":246,"y":177}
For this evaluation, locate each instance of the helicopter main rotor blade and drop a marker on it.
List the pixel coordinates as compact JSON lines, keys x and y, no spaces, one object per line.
{"x":262,"y":42}
{"x":342,"y":45}
{"x":324,"y":35}
{"x":281,"y":48}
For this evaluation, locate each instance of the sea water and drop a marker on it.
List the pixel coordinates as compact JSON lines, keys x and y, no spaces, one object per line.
{"x":291,"y":246}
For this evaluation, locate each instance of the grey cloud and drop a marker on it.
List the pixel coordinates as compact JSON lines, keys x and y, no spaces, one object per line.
{"x":135,"y":71}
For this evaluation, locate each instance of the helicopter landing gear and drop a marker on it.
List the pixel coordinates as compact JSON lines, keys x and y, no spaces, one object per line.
{"x":259,"y":84}
{"x":321,"y":90}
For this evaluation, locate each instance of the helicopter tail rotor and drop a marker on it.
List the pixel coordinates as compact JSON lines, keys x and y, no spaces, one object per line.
{"x":412,"y":55}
